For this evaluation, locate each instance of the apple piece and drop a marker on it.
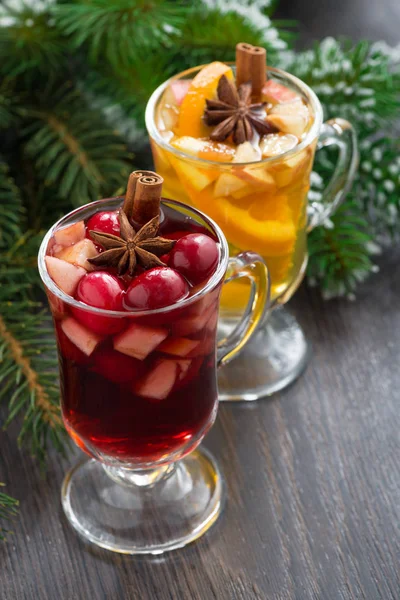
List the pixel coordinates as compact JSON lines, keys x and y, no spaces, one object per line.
{"x":189,"y":145}
{"x":64,"y":275}
{"x":205,"y":149}
{"x":70,"y":235}
{"x":274,"y":144}
{"x":159,"y":381}
{"x":83,"y":338}
{"x":139,"y":340}
{"x":227,"y":184}
{"x":246,"y":153}
{"x":169,"y":117}
{"x":288,"y":170}
{"x":79,"y":253}
{"x":276,"y":92}
{"x":188,"y":369}
{"x":176,"y":92}
{"x":260,"y":178}
{"x":178,"y":346}
{"x":295,"y":107}
{"x":183,"y":366}
{"x":295,"y":124}
{"x":192,"y":176}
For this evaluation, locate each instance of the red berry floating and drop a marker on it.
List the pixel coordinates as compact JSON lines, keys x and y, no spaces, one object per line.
{"x":104,"y":222}
{"x":155,"y":288}
{"x":195,"y":256}
{"x":101,"y":290}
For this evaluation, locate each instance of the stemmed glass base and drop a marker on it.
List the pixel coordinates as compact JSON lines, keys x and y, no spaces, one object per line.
{"x":144,"y":512}
{"x":274,"y":358}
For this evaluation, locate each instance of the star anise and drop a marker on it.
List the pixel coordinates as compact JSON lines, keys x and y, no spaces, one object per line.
{"x":132,"y":248}
{"x":233,"y":113}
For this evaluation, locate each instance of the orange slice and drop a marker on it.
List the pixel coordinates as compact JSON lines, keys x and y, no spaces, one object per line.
{"x":203,"y":86}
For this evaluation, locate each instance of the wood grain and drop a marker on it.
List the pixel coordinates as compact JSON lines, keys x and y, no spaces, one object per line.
{"x":312,"y":474}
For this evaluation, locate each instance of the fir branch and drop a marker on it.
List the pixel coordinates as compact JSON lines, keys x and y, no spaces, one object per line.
{"x":209,"y":29}
{"x":11,"y":209}
{"x":9,"y":101}
{"x":340,"y":252}
{"x":29,"y":41}
{"x":8,"y":510}
{"x":28,"y":367}
{"x":72,"y":148}
{"x":115,"y":31}
{"x":378,"y":186}
{"x":359,"y":83}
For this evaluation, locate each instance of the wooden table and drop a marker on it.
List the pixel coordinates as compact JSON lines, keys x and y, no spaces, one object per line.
{"x":312,"y":475}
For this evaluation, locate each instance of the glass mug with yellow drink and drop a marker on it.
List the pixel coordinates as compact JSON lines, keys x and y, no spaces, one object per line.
{"x":238,"y":142}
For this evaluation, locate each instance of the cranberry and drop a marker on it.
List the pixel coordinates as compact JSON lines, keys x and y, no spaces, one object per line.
{"x":104,"y":222}
{"x":195,"y":256}
{"x":156,"y":288}
{"x":101,"y":290}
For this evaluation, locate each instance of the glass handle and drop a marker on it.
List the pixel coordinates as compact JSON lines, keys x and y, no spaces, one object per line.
{"x":251,"y":266}
{"x":339,"y":133}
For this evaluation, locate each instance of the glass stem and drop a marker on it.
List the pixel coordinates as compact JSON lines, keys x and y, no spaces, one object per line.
{"x":143,"y":478}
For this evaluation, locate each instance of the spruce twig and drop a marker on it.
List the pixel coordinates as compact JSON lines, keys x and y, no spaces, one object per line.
{"x":8,"y":510}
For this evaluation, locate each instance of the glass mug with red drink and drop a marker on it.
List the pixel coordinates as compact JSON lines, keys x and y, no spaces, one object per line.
{"x":134,"y":287}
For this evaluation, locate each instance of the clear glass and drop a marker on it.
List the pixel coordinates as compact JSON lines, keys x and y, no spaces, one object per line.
{"x":140,"y":417}
{"x":264,"y":207}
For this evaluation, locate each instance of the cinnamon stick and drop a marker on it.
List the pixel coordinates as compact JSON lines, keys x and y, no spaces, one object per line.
{"x":258,"y":71}
{"x":251,"y":66}
{"x":130,"y":191}
{"x":243,"y":63}
{"x":147,"y":196}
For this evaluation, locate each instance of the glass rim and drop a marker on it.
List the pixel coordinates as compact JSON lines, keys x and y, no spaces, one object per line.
{"x":212,"y":283}
{"x":310,"y":137}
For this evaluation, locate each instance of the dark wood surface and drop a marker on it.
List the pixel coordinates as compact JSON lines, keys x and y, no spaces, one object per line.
{"x":312,"y":474}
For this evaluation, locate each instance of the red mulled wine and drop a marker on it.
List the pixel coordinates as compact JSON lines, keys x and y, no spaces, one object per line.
{"x":137,"y":387}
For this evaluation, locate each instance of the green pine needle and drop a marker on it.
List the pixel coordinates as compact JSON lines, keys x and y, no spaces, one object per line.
{"x":357,"y":83}
{"x":379,"y":185}
{"x":29,"y":42}
{"x":8,"y":510}
{"x":340,"y":252}
{"x":28,"y":367}
{"x":11,"y":209}
{"x":72,"y":147}
{"x":115,"y":31}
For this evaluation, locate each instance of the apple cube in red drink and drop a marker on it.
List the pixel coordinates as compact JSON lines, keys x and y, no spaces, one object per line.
{"x":178,"y":346}
{"x":86,"y":340}
{"x":64,"y":275}
{"x":67,"y":236}
{"x":79,"y":253}
{"x":158,"y":383}
{"x":139,"y":340}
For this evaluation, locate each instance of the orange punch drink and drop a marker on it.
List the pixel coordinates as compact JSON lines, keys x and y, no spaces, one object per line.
{"x":238,"y":143}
